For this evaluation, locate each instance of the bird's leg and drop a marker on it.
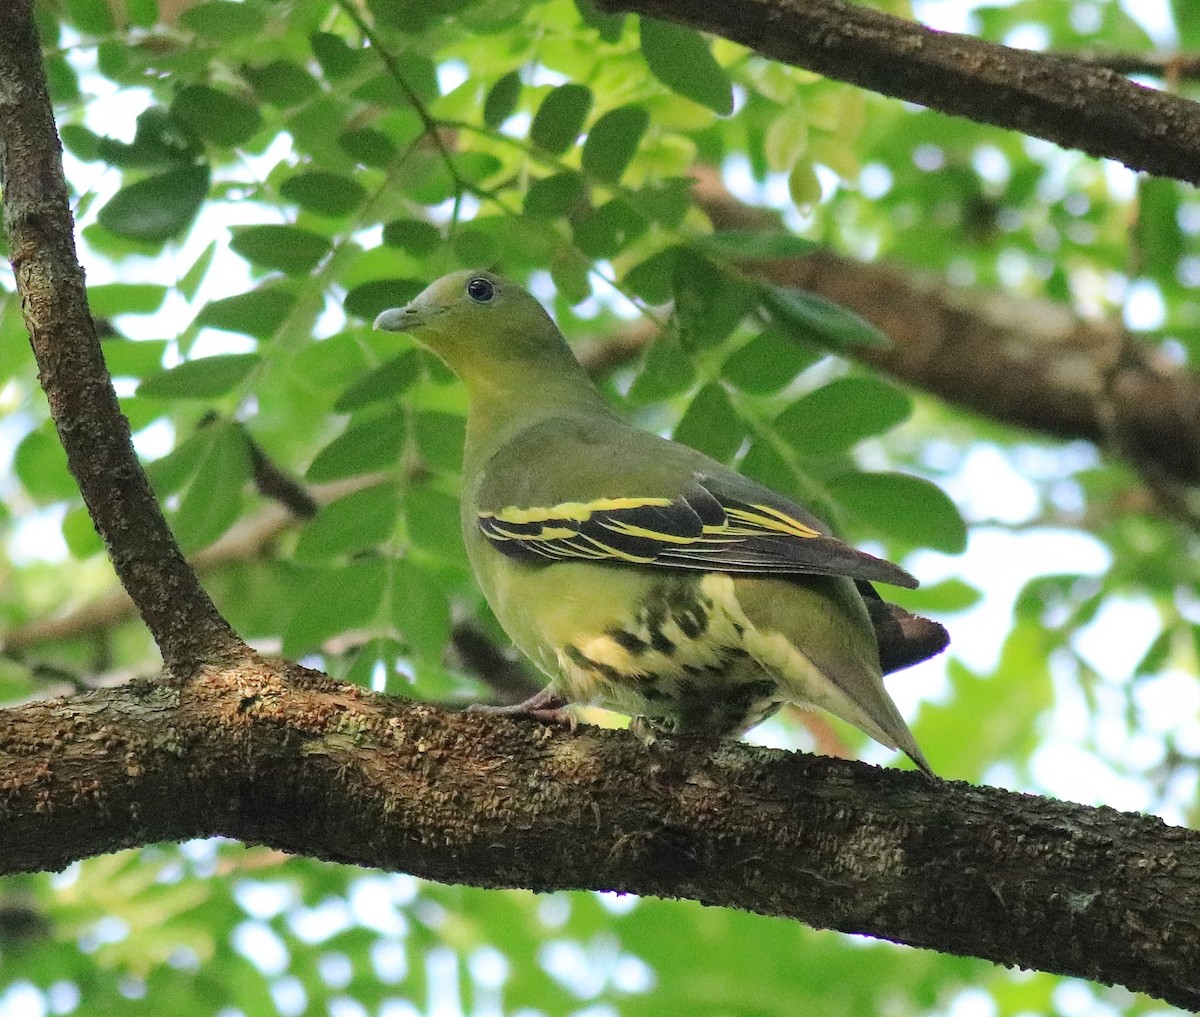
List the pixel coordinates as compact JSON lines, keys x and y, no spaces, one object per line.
{"x":644,"y":731}
{"x":546,"y":706}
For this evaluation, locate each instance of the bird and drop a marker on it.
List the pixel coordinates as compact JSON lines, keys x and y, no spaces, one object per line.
{"x":639,"y":574}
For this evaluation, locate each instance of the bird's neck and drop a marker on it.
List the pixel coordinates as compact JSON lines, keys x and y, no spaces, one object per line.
{"x":508,"y":398}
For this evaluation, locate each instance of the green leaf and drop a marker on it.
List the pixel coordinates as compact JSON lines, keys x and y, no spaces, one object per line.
{"x":223,"y":21}
{"x":368,"y":146}
{"x":786,"y":141}
{"x":833,"y":418}
{"x":90,"y":18}
{"x":386,"y":381}
{"x":709,"y":303}
{"x":354,"y":523}
{"x":569,"y":269}
{"x":665,"y":373}
{"x":112,"y":59}
{"x":335,"y":56}
{"x":559,"y":119}
{"x":946,"y":597}
{"x":612,"y":142}
{"x":220,"y":117}
{"x":111,"y":299}
{"x":665,"y":201}
{"x":329,"y":194}
{"x":62,"y":79}
{"x":610,"y":229}
{"x":373,"y":655}
{"x":157,"y":142}
{"x":474,"y":246}
{"x":420,"y":610}
{"x":338,"y":599}
{"x":433,"y":526}
{"x":129,"y":359}
{"x":904,"y":507}
{"x":79,"y":533}
{"x":711,"y":425}
{"x":1159,"y":243}
{"x":189,"y":285}
{"x":610,"y":26}
{"x":142,"y":13}
{"x":206,"y":378}
{"x":41,"y":465}
{"x":369,"y":299}
{"x":213,"y":500}
{"x":501,"y":101}
{"x":762,"y":462}
{"x":681,"y":60}
{"x":82,"y":143}
{"x":1155,"y":659}
{"x":1187,"y":23}
{"x":653,"y":279}
{"x":756,"y":245}
{"x":169,"y":474}
{"x":555,"y":197}
{"x":158,"y":207}
{"x":415,"y":236}
{"x":365,"y":445}
{"x":288,"y":249}
{"x":282,"y":83}
{"x":804,"y":186}
{"x":440,"y":438}
{"x":767,"y":363}
{"x":813,"y":318}
{"x":257,"y":313}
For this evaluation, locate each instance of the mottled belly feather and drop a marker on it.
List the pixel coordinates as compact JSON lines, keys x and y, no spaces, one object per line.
{"x":682,"y":662}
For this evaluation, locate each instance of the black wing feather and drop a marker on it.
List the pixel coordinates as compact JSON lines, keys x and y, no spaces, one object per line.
{"x":703,"y":529}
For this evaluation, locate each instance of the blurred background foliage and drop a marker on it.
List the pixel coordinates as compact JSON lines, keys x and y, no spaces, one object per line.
{"x":254,"y":181}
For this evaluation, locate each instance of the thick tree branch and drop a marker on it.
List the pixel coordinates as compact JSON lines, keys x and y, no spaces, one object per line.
{"x":1072,"y":104}
{"x":338,"y":773}
{"x":40,"y":231}
{"x":1030,"y":363}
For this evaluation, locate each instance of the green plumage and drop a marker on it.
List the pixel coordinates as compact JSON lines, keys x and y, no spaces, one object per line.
{"x":637,"y":573}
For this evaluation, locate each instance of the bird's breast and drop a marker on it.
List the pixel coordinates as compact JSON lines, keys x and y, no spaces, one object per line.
{"x":666,"y":646}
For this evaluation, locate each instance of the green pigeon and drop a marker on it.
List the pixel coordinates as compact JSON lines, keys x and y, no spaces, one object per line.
{"x":639,"y":574}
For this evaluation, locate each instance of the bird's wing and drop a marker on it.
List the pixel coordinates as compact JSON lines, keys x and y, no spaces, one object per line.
{"x":707,"y":527}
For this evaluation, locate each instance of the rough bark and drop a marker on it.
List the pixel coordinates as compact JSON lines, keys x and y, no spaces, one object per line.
{"x":95,"y":434}
{"x":1075,"y":105}
{"x":341,"y":774}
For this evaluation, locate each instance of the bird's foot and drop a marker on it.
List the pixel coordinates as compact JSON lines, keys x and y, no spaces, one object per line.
{"x":544,"y":706}
{"x":644,"y":731}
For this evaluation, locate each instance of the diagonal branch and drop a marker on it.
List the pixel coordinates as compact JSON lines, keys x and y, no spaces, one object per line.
{"x":1032,"y":364}
{"x":1075,"y":105}
{"x":40,"y":232}
{"x":338,"y":773}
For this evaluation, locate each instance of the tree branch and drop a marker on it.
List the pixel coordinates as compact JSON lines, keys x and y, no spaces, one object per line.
{"x":341,"y":774}
{"x":40,"y":231}
{"x":1029,"y":363}
{"x":1070,"y":103}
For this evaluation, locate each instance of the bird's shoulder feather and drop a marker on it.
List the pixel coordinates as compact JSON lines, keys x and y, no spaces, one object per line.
{"x":598,"y":490}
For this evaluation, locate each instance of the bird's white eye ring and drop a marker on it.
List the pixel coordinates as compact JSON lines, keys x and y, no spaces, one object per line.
{"x":480,"y":290}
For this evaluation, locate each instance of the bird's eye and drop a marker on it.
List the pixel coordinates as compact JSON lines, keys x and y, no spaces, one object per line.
{"x":481,"y":290}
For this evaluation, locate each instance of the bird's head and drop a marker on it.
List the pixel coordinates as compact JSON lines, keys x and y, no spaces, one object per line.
{"x":476,"y":321}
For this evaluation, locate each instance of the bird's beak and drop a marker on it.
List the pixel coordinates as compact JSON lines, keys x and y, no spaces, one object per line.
{"x":405,"y":319}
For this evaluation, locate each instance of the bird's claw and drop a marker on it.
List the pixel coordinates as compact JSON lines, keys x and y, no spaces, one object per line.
{"x":644,"y":731}
{"x":544,"y":706}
